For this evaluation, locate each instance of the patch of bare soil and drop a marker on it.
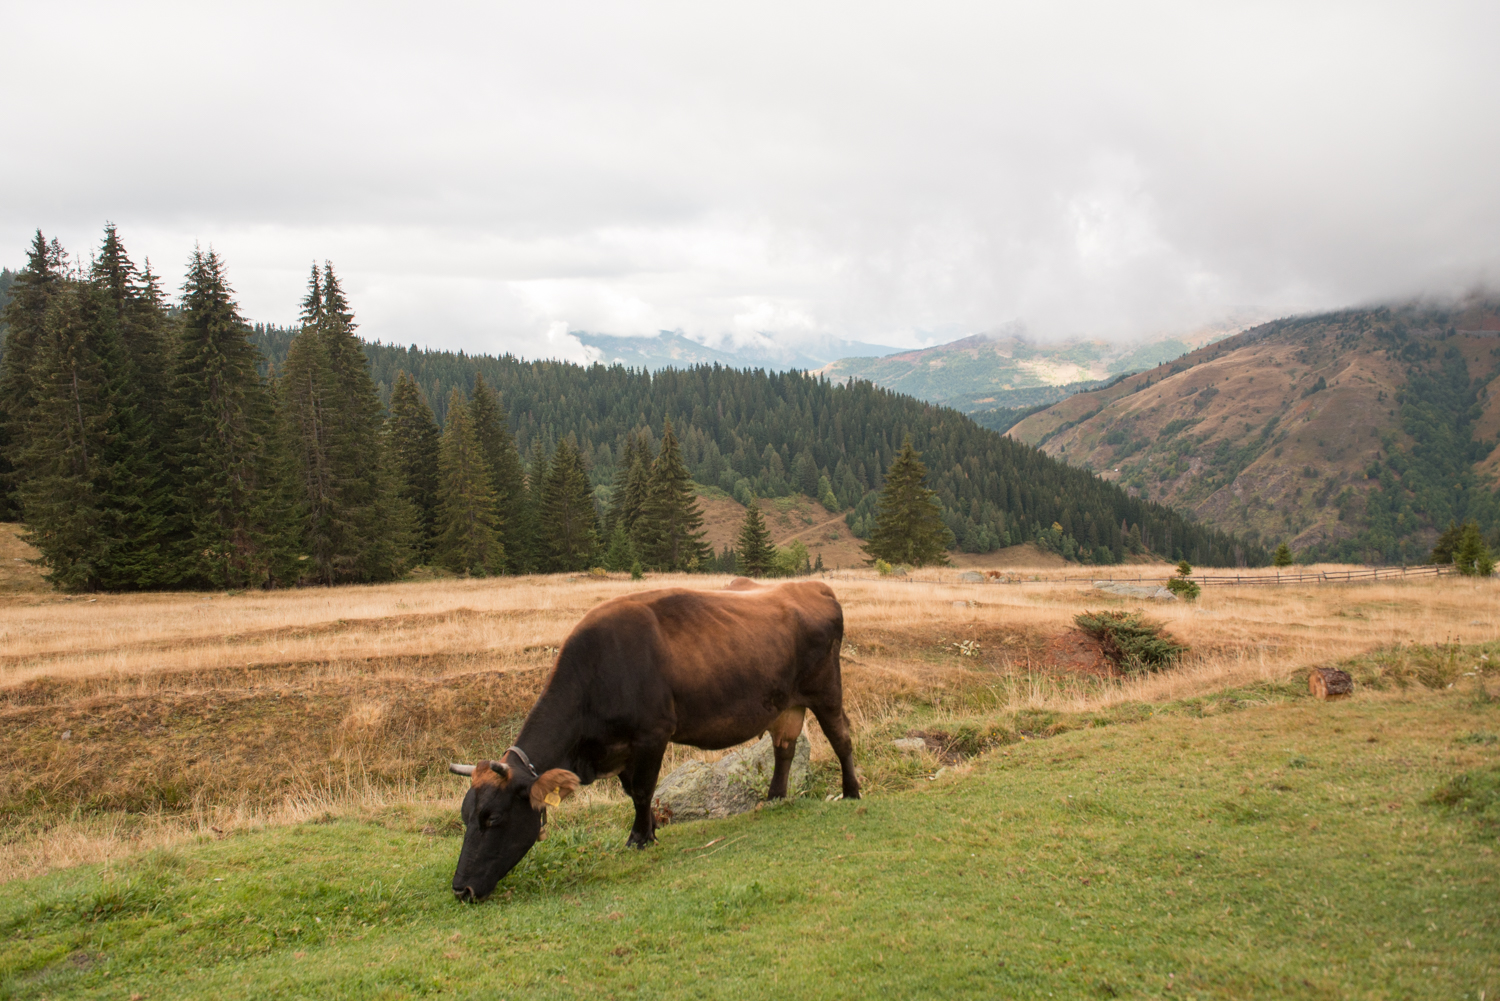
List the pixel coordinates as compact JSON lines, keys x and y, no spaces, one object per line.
{"x":1076,"y":652}
{"x":17,"y":574}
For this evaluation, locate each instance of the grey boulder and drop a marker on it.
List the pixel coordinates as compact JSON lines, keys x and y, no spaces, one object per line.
{"x":733,"y":784}
{"x":1153,"y":591}
{"x":972,"y":577}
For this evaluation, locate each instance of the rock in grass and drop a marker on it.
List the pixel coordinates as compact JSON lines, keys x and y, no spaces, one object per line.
{"x":731,"y":785}
{"x":1153,"y":591}
{"x":911,"y":745}
{"x":971,"y":577}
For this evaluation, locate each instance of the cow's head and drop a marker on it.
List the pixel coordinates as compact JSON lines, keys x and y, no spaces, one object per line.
{"x":502,"y":813}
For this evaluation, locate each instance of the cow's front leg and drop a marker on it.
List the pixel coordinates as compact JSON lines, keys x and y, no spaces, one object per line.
{"x":644,"y":769}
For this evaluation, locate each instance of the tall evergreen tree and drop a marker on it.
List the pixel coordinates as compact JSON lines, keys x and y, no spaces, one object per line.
{"x":354,"y":523}
{"x":568,"y":520}
{"x":634,"y":488}
{"x":229,"y":528}
{"x":621,"y":514}
{"x":671,"y":522}
{"x":755,"y":553}
{"x":508,"y":478}
{"x":467,"y":540}
{"x":413,"y":440}
{"x":63,"y":466}
{"x":31,"y":293}
{"x":909,"y":522}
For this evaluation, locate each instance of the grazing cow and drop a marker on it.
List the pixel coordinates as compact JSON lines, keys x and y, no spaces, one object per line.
{"x":707,"y":668}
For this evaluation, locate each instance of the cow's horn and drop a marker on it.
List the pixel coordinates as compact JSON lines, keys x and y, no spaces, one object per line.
{"x":458,"y":769}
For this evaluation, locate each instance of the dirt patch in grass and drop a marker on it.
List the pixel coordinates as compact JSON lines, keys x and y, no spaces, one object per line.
{"x":1076,"y":652}
{"x":18,"y":575}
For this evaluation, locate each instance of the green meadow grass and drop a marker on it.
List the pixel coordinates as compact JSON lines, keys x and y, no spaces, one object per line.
{"x":1287,"y":849}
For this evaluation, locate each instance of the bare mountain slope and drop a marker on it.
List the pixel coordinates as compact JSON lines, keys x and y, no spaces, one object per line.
{"x":1356,"y":433}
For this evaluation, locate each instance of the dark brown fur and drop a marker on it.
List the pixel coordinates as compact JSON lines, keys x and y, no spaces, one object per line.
{"x":708,"y":669}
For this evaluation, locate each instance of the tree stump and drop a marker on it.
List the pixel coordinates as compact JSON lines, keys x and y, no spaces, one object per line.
{"x":1329,"y":683}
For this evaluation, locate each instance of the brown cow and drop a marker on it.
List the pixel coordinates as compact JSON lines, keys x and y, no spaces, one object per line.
{"x":707,"y":668}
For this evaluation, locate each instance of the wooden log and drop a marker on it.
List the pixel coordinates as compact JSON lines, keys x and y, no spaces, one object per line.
{"x":1329,"y":683}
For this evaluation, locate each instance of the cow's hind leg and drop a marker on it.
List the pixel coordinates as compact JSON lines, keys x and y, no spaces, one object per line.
{"x":785,"y":729}
{"x":836,"y":728}
{"x":644,"y":769}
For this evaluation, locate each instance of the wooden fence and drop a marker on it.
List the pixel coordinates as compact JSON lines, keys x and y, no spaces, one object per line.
{"x":1206,"y":580}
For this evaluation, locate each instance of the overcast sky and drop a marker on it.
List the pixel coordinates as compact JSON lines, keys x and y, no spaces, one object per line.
{"x":491,"y":176}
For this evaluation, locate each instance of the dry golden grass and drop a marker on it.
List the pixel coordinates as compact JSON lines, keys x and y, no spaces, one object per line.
{"x":128,"y":721}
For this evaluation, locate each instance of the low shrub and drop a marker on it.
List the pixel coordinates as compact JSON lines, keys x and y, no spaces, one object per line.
{"x":1133,"y":642}
{"x":1185,"y":589}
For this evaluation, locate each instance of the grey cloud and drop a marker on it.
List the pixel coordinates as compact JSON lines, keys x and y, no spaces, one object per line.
{"x":485,"y":175}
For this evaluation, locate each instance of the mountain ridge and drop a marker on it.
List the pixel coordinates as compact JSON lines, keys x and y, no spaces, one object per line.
{"x":1356,"y":434}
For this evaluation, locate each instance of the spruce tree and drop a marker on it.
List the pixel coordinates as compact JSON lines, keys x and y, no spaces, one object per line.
{"x":413,"y":439}
{"x":229,"y":530}
{"x":632,"y":494}
{"x":355,"y":525}
{"x":508,"y":479}
{"x":467,"y":540}
{"x":619,"y":554}
{"x":569,"y":522}
{"x":671,"y":522}
{"x":1283,"y":557}
{"x":62,"y":468}
{"x":619,"y":514}
{"x":31,"y":293}
{"x":755,"y":553}
{"x":908,"y":520}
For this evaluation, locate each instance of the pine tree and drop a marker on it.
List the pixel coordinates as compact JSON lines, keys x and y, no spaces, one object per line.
{"x":755,"y":553}
{"x":908,"y":521}
{"x":413,"y":439}
{"x":508,"y":479}
{"x":63,"y":466}
{"x":355,"y":524}
{"x":621,"y":515}
{"x":1471,"y":556}
{"x":229,"y":530}
{"x":569,"y":522}
{"x":31,"y":294}
{"x":620,"y":554}
{"x":1283,"y":557}
{"x":631,"y":490}
{"x":467,"y":540}
{"x":670,"y":524}
{"x":137,"y":501}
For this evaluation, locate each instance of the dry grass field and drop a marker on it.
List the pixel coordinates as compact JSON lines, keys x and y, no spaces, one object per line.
{"x":132,"y":720}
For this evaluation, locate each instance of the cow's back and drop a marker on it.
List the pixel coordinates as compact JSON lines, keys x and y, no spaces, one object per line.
{"x":731,"y":660}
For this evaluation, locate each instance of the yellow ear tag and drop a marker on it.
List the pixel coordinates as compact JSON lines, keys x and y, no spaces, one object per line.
{"x":553,"y":798}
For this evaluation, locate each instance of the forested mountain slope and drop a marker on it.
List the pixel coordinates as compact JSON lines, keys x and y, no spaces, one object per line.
{"x":1353,"y":435}
{"x":772,"y":434}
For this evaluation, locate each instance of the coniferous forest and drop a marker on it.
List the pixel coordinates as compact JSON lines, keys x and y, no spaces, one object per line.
{"x":154,"y":443}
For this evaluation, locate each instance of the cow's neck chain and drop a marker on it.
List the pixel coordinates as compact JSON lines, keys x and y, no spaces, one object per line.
{"x":524,"y":760}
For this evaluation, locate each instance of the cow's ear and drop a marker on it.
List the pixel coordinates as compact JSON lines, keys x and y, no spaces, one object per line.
{"x":553,"y":787}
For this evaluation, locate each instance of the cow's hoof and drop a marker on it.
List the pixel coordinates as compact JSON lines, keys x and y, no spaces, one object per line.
{"x":637,"y":841}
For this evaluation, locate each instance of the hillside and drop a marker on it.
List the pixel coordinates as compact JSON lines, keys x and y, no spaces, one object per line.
{"x":771,"y":434}
{"x":1354,"y":435}
{"x":1005,"y":371}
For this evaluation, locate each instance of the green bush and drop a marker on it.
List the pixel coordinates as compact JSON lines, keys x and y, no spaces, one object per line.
{"x":1184,"y":588}
{"x":1134,"y":643}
